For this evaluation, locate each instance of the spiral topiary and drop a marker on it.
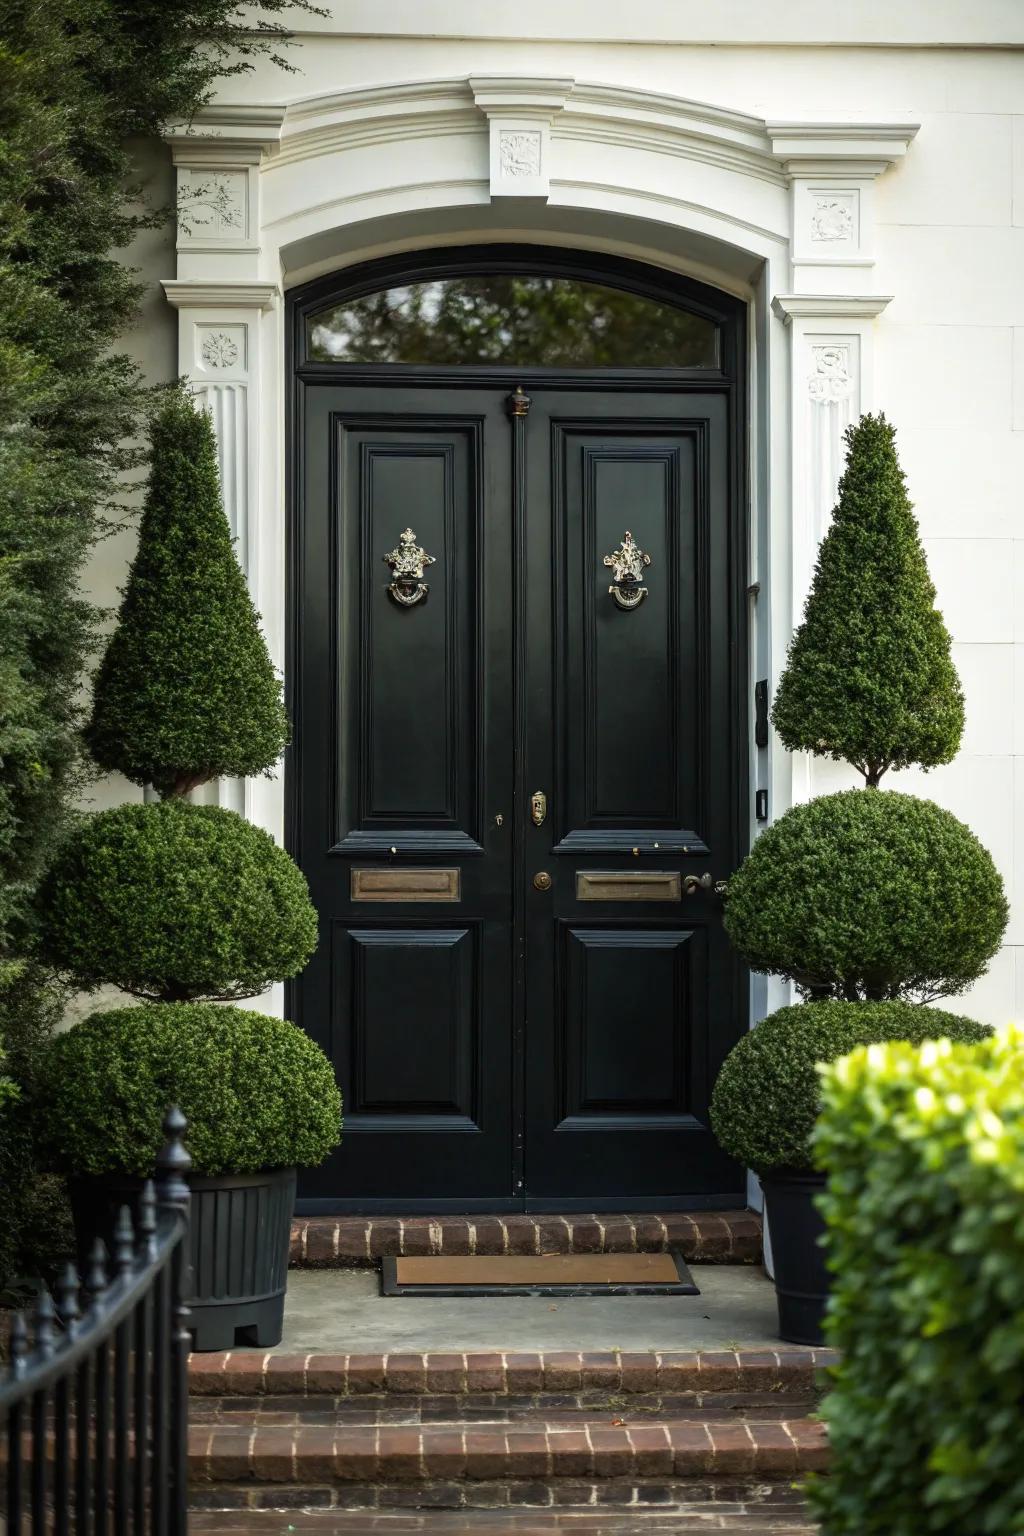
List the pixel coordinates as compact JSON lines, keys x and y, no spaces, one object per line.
{"x":768,"y":1093}
{"x":256,"y":1092}
{"x":868,"y":894}
{"x":175,"y":902}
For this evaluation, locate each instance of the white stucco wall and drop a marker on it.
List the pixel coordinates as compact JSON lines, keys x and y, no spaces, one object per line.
{"x":948,"y":350}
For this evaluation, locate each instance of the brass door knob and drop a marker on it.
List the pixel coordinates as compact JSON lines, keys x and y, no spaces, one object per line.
{"x":542,"y":881}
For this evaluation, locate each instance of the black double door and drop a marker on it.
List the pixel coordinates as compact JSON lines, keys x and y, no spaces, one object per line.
{"x":511,"y":788}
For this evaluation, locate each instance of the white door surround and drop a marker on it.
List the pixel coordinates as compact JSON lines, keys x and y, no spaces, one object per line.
{"x":781,"y":214}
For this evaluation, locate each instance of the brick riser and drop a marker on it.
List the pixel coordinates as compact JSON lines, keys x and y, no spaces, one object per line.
{"x":703,"y":1237}
{"x":320,"y":1456}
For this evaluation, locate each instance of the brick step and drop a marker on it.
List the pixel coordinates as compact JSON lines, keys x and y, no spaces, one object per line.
{"x":319,"y":1457}
{"x":703,"y":1237}
{"x":254,"y":1374}
{"x":604,"y":1516}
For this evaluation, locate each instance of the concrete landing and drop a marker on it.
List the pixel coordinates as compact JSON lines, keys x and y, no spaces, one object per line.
{"x":342,"y":1310}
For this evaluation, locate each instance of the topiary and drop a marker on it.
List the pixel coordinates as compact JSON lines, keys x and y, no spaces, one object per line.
{"x":186,"y":691}
{"x":872,"y":896}
{"x":768,"y":1093}
{"x":256,"y":1091}
{"x":869,"y":678}
{"x":176,"y":902}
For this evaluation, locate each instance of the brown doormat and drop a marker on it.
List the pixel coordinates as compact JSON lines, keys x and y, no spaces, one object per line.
{"x":541,"y":1274}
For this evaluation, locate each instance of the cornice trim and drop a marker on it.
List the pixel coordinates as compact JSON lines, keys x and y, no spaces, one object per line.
{"x":183,"y":294}
{"x":821,"y":306}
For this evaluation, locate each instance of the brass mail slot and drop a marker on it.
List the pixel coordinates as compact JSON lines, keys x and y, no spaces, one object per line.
{"x":625,"y":885}
{"x":406,"y":885}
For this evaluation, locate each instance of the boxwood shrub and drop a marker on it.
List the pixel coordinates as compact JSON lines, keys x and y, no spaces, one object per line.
{"x":177,"y":902}
{"x":868,"y":894}
{"x":256,"y":1091}
{"x":768,"y":1095}
{"x":924,"y":1148}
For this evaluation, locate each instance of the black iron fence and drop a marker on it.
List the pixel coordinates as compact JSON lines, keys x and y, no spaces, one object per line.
{"x":94,"y":1400}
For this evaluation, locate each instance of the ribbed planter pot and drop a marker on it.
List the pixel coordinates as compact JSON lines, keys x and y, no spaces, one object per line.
{"x":801,"y":1277}
{"x":238,"y":1247}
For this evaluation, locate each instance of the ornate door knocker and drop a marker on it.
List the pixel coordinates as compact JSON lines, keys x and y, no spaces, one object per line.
{"x":407,"y":562}
{"x":627,"y":563}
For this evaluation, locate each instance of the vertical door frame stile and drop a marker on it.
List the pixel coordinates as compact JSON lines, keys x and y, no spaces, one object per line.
{"x":520,"y":789}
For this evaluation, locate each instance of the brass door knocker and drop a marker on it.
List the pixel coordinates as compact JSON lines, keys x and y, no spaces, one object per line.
{"x":627,"y":564}
{"x":407,"y":563}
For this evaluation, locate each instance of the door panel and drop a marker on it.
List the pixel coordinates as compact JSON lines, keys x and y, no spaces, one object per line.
{"x":405,"y":761}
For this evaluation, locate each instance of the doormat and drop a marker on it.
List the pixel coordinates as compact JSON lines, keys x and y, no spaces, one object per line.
{"x":541,"y":1274}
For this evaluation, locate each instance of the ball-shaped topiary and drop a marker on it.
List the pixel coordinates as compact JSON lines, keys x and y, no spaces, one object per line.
{"x":868,"y":894}
{"x":767,"y":1096}
{"x":256,"y":1091}
{"x":175,"y":902}
{"x":869,"y":677}
{"x":186,"y":691}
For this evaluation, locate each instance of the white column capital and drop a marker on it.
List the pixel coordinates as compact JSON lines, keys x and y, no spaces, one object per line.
{"x":195,"y":293}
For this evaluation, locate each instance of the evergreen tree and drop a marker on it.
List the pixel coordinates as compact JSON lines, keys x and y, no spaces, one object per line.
{"x":869,"y":678}
{"x":186,"y":691}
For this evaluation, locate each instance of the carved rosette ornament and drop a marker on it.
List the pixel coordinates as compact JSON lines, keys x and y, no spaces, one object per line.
{"x":220,"y":350}
{"x":407,"y":562}
{"x":627,"y":564}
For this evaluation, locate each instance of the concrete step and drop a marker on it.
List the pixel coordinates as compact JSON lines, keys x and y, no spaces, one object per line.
{"x":703,"y":1237}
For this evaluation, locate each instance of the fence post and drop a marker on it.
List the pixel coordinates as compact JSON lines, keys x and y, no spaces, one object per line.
{"x":172,"y":1194}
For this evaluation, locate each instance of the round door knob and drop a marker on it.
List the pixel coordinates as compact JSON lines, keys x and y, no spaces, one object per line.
{"x":542,"y":881}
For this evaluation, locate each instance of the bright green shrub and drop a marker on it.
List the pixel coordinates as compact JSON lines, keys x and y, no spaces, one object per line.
{"x":175,"y":901}
{"x":868,"y":895}
{"x":768,"y":1094}
{"x":256,"y":1091}
{"x":924,"y":1149}
{"x":186,"y":691}
{"x":869,"y":677}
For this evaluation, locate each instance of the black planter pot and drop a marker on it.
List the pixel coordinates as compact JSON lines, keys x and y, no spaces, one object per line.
{"x":239,"y":1230}
{"x":801,"y":1278}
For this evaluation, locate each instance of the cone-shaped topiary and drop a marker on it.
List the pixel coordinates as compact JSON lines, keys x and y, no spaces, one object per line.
{"x":186,"y":691}
{"x":174,"y":902}
{"x":869,"y":678}
{"x":256,"y":1091}
{"x":768,"y":1094}
{"x":869,"y":896}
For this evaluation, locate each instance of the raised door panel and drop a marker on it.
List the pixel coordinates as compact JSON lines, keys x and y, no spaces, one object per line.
{"x":408,"y":748}
{"x":629,"y":681}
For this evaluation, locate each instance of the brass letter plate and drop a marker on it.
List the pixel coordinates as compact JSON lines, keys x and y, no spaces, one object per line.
{"x":406,"y":885}
{"x":625,"y":885}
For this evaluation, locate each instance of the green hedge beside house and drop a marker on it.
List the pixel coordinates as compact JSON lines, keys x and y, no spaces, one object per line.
{"x":924,"y":1149}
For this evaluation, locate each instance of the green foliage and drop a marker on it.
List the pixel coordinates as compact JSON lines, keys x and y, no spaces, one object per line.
{"x":256,"y":1091}
{"x":35,"y":1231}
{"x":869,"y":677}
{"x":924,"y":1149}
{"x":175,"y":901}
{"x":186,"y":691}
{"x":768,"y":1094}
{"x":868,"y":895}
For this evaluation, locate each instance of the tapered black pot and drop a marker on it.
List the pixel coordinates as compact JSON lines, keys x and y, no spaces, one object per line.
{"x":239,"y":1227}
{"x":801,"y":1278}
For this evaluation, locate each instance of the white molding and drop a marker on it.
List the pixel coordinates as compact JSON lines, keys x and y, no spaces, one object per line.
{"x":204,"y":294}
{"x":805,"y":147}
{"x":853,"y":306}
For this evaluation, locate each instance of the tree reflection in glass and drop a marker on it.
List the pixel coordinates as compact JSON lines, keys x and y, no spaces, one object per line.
{"x":526,"y":321}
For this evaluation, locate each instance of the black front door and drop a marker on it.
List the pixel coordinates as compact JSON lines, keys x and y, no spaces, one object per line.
{"x":512,"y":787}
